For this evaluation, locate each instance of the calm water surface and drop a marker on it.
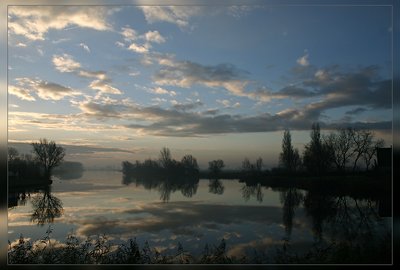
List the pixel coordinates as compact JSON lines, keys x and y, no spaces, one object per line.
{"x":248,"y":217}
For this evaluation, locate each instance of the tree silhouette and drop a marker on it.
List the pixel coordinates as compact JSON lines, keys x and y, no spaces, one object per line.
{"x":371,"y":151}
{"x":362,"y":140}
{"x":48,"y":154}
{"x":12,"y":153}
{"x":215,"y":167}
{"x":341,"y":143}
{"x":165,"y":158}
{"x":318,"y":155}
{"x":289,"y":158}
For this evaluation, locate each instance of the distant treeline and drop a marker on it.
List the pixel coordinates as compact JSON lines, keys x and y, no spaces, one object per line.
{"x":165,"y":167}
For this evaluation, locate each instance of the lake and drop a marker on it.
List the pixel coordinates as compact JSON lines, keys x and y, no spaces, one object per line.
{"x":252,"y":219}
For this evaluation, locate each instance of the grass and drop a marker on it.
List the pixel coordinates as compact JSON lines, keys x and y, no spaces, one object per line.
{"x":99,"y":250}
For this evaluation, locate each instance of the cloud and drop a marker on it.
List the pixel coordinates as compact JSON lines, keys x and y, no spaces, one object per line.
{"x":169,"y":216}
{"x":139,"y":48}
{"x":54,"y":91}
{"x":139,"y":43}
{"x":154,"y":36}
{"x":303,"y":61}
{"x":45,"y":90}
{"x":356,"y":111}
{"x":178,"y":15}
{"x":129,"y":34}
{"x":85,"y":47}
{"x":162,"y":91}
{"x":239,"y":11}
{"x":186,"y":73}
{"x":188,"y":106}
{"x":65,"y":63}
{"x":20,"y":92}
{"x":33,"y":22}
{"x":227,"y":104}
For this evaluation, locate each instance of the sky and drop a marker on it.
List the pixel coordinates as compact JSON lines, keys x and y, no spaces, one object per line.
{"x":114,"y":83}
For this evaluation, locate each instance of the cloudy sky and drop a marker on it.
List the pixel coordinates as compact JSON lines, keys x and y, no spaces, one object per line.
{"x":212,"y":81}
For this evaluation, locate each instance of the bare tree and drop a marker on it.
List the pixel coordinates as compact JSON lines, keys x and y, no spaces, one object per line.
{"x":165,"y":157}
{"x":48,"y":154}
{"x":342,"y":144}
{"x":12,"y":153}
{"x":362,"y":140}
{"x":189,"y":162}
{"x":370,"y":152}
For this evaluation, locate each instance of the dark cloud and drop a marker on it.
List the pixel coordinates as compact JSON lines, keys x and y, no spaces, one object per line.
{"x":71,"y":149}
{"x":188,"y":106}
{"x":187,"y":73}
{"x":356,"y":111}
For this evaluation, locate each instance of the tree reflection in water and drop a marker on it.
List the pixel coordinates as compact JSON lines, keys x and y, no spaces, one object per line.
{"x":290,"y":198}
{"x":249,"y":191}
{"x":46,"y":207}
{"x":165,"y":185}
{"x":215,"y":186}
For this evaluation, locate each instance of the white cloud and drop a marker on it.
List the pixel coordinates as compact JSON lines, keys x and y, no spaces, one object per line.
{"x":120,"y":44}
{"x":33,"y":22}
{"x":227,"y":104}
{"x":85,"y":47}
{"x":303,"y":61}
{"x":132,"y":40}
{"x":20,"y":44}
{"x":45,"y":90}
{"x":134,"y":73}
{"x":154,"y":36}
{"x":129,"y":34}
{"x":139,"y":48}
{"x":65,"y":63}
{"x":162,"y":91}
{"x":20,"y":92}
{"x":179,"y":15}
{"x":104,"y":87}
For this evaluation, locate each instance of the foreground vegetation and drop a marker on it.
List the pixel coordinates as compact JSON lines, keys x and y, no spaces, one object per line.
{"x":99,"y":250}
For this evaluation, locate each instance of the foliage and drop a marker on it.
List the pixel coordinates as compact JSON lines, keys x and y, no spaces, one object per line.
{"x":99,"y":250}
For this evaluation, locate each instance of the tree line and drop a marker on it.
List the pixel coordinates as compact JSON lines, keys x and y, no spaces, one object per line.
{"x":345,"y":149}
{"x":46,"y":156}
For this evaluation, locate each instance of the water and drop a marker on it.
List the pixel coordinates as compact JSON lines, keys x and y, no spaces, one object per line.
{"x":249,"y":218}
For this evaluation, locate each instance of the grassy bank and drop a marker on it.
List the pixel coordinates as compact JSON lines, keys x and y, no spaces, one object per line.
{"x":99,"y":250}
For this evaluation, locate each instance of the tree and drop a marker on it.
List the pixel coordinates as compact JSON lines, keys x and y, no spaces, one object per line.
{"x":370,"y":152}
{"x":216,"y":166}
{"x":165,"y":157}
{"x":289,"y":158}
{"x":12,"y":153}
{"x":362,"y":140}
{"x":48,"y":154}
{"x":189,"y":163}
{"x":318,"y":155}
{"x":342,"y":145}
